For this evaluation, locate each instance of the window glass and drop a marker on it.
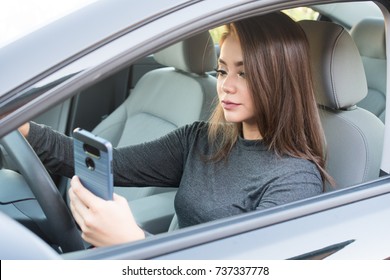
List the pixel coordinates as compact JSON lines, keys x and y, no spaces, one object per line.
{"x":301,"y":13}
{"x":297,"y":14}
{"x":20,"y":17}
{"x":216,"y":33}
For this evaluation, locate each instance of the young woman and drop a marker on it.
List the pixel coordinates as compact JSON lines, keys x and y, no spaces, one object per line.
{"x":262,"y":147}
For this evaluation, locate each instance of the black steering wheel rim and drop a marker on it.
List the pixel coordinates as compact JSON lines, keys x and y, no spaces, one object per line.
{"x":63,"y":229}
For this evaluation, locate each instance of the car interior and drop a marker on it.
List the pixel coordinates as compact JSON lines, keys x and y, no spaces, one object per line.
{"x":354,"y":136}
{"x":369,"y":36}
{"x":141,"y":103}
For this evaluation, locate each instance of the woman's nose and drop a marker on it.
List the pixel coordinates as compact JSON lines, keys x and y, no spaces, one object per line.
{"x":229,"y":85}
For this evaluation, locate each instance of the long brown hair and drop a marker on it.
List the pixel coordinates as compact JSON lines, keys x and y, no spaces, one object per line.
{"x":278,"y":74}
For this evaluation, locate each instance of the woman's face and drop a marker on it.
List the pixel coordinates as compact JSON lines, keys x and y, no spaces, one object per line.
{"x":233,"y":92}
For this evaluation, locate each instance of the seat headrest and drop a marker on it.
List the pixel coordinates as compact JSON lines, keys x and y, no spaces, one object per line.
{"x":338,"y":72}
{"x":194,"y":55}
{"x":369,"y":36}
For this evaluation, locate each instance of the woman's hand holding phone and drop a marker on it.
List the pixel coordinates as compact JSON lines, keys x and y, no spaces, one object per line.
{"x":104,"y":217}
{"x":103,"y":222}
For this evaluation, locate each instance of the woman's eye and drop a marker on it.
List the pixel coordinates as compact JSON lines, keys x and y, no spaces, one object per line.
{"x":220,"y":72}
{"x":242,"y":74}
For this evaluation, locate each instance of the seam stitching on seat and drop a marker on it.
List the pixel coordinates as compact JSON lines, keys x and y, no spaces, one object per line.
{"x":204,"y":54}
{"x":331,"y":70}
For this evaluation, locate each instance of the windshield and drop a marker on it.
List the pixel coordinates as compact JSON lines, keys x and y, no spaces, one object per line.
{"x":20,"y":17}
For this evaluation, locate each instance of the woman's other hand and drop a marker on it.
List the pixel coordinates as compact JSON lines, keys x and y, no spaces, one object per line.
{"x":102,"y":222}
{"x":25,"y":129}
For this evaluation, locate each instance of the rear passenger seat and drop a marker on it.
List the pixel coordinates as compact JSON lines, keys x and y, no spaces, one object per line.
{"x":369,"y":35}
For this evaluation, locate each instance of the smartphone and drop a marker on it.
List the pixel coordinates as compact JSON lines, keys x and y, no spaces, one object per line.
{"x":93,"y":163}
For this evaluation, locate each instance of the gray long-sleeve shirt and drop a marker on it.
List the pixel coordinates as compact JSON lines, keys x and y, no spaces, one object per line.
{"x":252,"y":177}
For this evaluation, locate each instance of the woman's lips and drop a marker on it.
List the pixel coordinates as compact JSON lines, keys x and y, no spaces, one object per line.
{"x":228,"y":105}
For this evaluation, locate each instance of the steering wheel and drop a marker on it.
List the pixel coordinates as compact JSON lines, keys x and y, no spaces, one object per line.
{"x":63,"y":229}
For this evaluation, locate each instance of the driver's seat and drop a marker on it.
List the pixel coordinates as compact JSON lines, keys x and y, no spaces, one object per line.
{"x":354,"y":135}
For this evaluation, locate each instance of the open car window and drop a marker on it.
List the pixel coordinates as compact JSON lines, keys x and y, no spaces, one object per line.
{"x":87,"y":87}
